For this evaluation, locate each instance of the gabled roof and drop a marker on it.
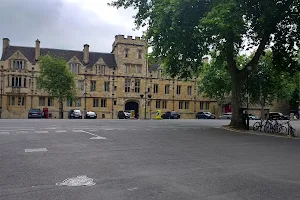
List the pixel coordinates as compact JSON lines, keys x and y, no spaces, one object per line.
{"x":29,"y":53}
{"x":154,"y":67}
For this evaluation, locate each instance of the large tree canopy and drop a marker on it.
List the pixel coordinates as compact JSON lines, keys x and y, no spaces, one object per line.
{"x":57,"y":79}
{"x":181,"y":32}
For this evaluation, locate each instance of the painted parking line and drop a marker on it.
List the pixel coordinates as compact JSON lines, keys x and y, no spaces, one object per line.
{"x":35,"y":150}
{"x":4,"y":133}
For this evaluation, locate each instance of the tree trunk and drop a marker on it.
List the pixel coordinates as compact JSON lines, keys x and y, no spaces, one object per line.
{"x":61,"y":111}
{"x":262,"y":112}
{"x":236,"y":101}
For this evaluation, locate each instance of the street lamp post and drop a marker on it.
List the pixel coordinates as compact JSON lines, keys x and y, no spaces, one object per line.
{"x":113,"y":94}
{"x":247,"y":89}
{"x":1,"y":92}
{"x":85,"y":84}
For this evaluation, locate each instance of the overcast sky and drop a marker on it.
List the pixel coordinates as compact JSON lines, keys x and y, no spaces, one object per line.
{"x":65,"y":24}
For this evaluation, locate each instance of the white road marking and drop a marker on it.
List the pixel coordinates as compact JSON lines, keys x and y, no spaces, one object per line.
{"x":132,"y":189}
{"x":53,"y":128}
{"x":78,"y":131}
{"x":97,"y":137}
{"x":36,"y":150}
{"x":4,"y":133}
{"x":77,"y":181}
{"x":18,"y":132}
{"x":61,"y":131}
{"x":41,"y":131}
{"x":18,"y":127}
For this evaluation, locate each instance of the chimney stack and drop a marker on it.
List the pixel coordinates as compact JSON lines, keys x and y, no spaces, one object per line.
{"x":205,"y":59}
{"x":86,"y":53}
{"x":37,"y":49}
{"x":5,"y":44}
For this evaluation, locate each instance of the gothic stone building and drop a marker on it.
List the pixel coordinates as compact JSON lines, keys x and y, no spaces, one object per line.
{"x":107,"y":82}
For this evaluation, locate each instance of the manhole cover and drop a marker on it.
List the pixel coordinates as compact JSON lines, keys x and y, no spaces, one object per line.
{"x":77,"y":181}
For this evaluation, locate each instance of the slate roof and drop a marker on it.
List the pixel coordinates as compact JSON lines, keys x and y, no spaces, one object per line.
{"x":29,"y":53}
{"x":154,"y":67}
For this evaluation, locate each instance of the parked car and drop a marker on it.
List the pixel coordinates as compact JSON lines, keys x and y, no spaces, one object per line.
{"x":171,"y":115}
{"x":75,"y":113}
{"x":205,"y":115}
{"x":253,"y":117}
{"x":91,"y":115}
{"x":278,"y":116}
{"x":123,"y":115}
{"x":226,"y":116}
{"x":35,"y":113}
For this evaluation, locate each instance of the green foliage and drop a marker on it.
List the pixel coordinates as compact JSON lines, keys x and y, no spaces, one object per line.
{"x":181,"y":32}
{"x":56,"y":78}
{"x":215,"y":80}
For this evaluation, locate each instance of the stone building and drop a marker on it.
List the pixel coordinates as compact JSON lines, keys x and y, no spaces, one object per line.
{"x":107,"y":82}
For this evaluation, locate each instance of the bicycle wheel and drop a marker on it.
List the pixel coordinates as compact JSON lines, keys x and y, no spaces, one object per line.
{"x":292,"y":132}
{"x":256,"y":126}
{"x":283,"y":130}
{"x":267,"y":128}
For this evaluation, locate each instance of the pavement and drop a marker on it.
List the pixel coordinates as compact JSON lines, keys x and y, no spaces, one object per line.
{"x":144,"y":159}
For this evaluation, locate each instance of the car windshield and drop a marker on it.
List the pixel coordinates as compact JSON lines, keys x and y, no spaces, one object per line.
{"x":174,"y":112}
{"x":35,"y":110}
{"x":76,"y":111}
{"x":208,"y":113}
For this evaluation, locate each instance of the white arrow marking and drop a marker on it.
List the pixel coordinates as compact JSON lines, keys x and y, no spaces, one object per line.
{"x":97,"y":137}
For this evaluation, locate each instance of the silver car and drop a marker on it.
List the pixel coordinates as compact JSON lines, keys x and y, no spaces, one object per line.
{"x":226,"y":116}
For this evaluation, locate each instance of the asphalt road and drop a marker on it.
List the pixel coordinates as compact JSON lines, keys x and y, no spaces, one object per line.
{"x":142,"y":160}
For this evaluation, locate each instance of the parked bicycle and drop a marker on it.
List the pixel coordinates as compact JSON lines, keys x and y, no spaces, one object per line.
{"x":290,"y":130}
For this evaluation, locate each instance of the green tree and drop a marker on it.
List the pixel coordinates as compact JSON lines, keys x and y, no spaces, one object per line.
{"x":214,"y":80}
{"x":182,"y":32}
{"x":56,"y":78}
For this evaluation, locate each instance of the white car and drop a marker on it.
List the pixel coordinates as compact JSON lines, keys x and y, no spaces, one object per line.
{"x":91,"y":115}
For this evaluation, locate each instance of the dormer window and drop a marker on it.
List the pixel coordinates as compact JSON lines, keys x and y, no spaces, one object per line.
{"x":139,"y":54}
{"x":100,"y":69}
{"x":74,"y":68}
{"x":18,"y":64}
{"x":126,"y":53}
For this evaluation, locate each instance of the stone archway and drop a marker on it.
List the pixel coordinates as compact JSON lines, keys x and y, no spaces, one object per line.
{"x":132,"y":105}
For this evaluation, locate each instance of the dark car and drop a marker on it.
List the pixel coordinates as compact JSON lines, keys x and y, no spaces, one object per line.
{"x":35,"y":113}
{"x":205,"y":115}
{"x":75,"y":113}
{"x":171,"y":115}
{"x":91,"y":115}
{"x":122,"y":115}
{"x":277,"y":116}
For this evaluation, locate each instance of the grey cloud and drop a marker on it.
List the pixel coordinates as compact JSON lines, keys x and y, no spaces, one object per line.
{"x":56,"y":24}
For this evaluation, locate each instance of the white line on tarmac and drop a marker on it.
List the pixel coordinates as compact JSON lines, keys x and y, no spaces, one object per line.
{"x":35,"y":150}
{"x":18,"y":132}
{"x":61,"y":131}
{"x":4,"y":133}
{"x":96,"y":136}
{"x":17,"y":127}
{"x":41,"y":131}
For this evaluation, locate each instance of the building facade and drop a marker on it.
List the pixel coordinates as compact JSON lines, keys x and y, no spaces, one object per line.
{"x":107,"y":83}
